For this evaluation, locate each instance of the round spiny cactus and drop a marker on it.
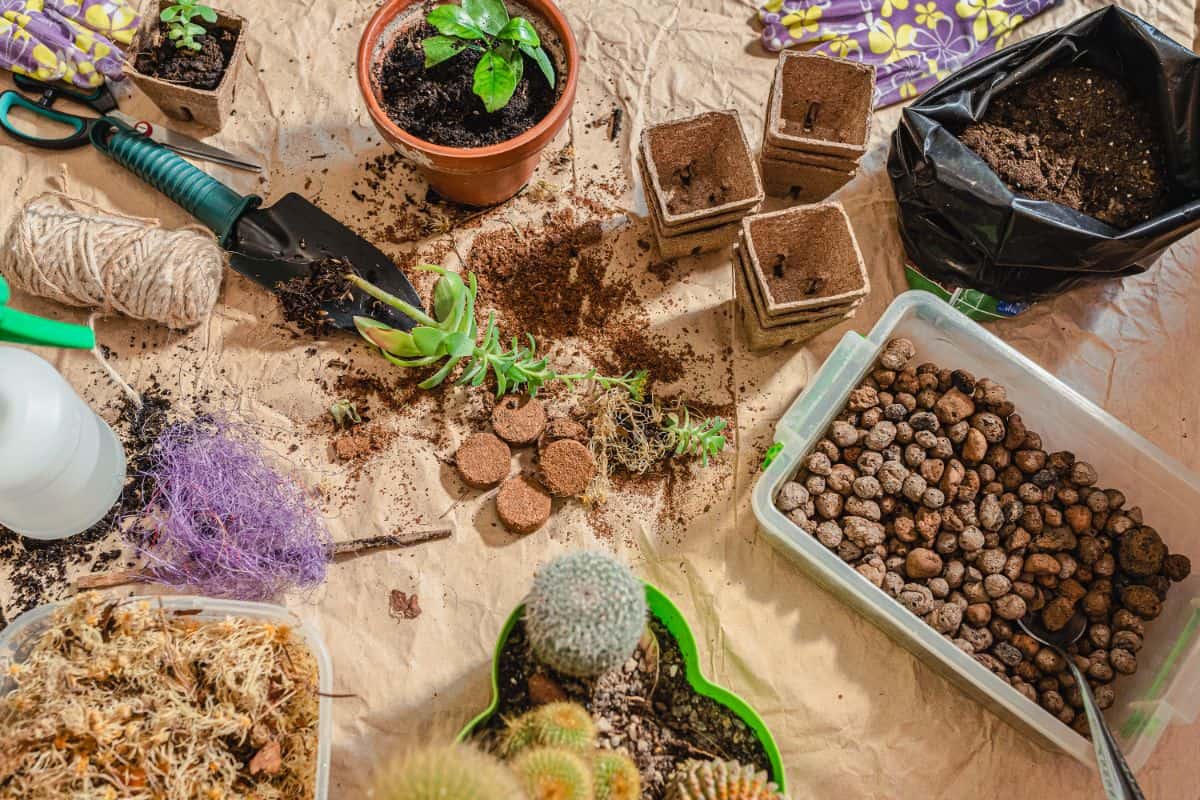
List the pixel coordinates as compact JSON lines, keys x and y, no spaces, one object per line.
{"x":551,"y":774}
{"x":565,"y":725}
{"x":585,"y":614}
{"x":721,"y":780}
{"x":439,"y":773}
{"x":615,"y":777}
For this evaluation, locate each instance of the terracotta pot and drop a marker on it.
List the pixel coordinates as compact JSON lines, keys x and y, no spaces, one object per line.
{"x":476,"y":176}
{"x":207,"y":107}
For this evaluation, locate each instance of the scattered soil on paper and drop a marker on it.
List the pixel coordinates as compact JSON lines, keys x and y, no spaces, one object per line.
{"x":1080,"y":137}
{"x":439,"y":104}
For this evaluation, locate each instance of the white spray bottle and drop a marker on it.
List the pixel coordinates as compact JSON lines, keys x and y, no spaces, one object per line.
{"x":61,"y":466}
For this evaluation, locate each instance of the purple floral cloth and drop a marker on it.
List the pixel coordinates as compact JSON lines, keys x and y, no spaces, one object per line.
{"x":65,"y":40}
{"x":912,"y":43}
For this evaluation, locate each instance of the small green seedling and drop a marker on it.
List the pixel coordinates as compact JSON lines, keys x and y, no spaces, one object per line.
{"x":180,"y":27}
{"x":485,"y":27}
{"x":702,"y":438}
{"x":344,"y":413}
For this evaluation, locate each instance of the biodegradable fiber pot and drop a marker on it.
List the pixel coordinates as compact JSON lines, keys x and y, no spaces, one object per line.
{"x":476,"y":176}
{"x":207,"y":107}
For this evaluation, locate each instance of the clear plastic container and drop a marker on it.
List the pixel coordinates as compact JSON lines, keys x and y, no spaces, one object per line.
{"x":1166,"y":686}
{"x":18,"y":638}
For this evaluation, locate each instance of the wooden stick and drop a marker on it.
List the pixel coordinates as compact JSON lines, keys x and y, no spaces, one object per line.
{"x":339,"y":551}
{"x":356,"y":547}
{"x":107,"y":580}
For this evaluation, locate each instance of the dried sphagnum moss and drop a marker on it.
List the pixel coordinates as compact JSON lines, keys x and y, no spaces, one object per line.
{"x":135,"y":701}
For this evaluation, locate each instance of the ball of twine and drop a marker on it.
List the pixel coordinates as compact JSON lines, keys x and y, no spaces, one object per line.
{"x":71,"y":251}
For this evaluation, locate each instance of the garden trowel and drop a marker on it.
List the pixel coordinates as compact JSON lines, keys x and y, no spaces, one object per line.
{"x":269,"y":245}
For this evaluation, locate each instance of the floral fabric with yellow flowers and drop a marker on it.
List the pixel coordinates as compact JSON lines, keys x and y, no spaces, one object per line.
{"x":913,"y":43}
{"x":77,"y":41}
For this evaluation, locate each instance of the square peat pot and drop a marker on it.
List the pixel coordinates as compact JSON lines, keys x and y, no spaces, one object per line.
{"x":676,"y":244}
{"x":766,"y":334}
{"x":673,"y":620}
{"x":821,"y":104}
{"x":207,"y":107}
{"x":754,"y":291}
{"x":800,"y":182}
{"x":1166,"y":688}
{"x":804,"y":259}
{"x":20,"y":636}
{"x":700,"y":171}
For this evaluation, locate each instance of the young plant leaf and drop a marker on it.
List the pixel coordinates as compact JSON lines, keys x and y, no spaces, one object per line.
{"x":206,"y":14}
{"x":496,"y":79}
{"x":521,"y":31}
{"x":448,"y":293}
{"x":429,"y":340}
{"x":454,"y":21}
{"x":459,"y":345}
{"x":538,"y":54}
{"x":170,"y":13}
{"x":490,"y":15}
{"x":392,"y":341}
{"x":440,"y":48}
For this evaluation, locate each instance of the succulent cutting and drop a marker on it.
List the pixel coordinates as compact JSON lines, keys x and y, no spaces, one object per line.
{"x":452,"y":337}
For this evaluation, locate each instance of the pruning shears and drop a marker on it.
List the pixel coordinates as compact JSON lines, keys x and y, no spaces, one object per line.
{"x":102,"y":101}
{"x":19,"y":327}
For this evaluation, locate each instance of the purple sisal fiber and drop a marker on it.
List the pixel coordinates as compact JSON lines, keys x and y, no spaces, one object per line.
{"x":223,"y":521}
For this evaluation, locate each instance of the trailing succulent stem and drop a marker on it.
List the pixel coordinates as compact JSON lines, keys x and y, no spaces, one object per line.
{"x":451,"y":337}
{"x":585,"y":614}
{"x":701,"y":438}
{"x":485,"y":27}
{"x":456,"y":771}
{"x":567,"y":726}
{"x":548,"y":773}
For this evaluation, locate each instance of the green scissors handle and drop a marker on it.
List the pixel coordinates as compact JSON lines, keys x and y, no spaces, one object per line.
{"x":79,"y":127}
{"x":21,"y":328}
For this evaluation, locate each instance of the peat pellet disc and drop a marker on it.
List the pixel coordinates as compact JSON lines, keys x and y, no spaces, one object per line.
{"x":522,"y":504}
{"x":483,"y":460}
{"x":562,"y":428}
{"x":567,"y":467}
{"x":519,"y":420}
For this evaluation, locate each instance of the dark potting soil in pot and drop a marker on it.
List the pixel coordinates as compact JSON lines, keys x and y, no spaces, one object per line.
{"x":1080,"y":137}
{"x":439,"y":104}
{"x":197,"y":70}
{"x":659,"y":723}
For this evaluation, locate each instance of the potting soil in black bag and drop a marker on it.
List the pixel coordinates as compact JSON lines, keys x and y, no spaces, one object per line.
{"x":962,"y":227}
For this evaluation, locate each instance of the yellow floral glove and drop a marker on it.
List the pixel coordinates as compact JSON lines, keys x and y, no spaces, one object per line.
{"x":66,"y":40}
{"x":913,"y":43}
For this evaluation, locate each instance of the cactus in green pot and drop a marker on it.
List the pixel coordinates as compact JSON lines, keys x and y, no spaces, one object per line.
{"x":548,"y":773}
{"x":563,"y":725}
{"x":585,"y":614}
{"x":721,"y":780}
{"x":615,"y":777}
{"x":455,"y":771}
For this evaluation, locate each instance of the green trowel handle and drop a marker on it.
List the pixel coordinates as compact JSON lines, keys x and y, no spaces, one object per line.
{"x":202,"y":196}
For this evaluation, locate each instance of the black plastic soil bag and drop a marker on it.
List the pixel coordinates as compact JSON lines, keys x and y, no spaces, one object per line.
{"x":961,"y":225}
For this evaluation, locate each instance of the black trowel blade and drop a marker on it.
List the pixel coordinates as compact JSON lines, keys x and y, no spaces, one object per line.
{"x":276,"y":244}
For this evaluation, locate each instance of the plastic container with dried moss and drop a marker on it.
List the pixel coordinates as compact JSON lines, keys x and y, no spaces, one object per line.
{"x":19,"y":638}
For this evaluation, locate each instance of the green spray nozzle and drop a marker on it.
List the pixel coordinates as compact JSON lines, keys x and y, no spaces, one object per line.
{"x":19,"y":327}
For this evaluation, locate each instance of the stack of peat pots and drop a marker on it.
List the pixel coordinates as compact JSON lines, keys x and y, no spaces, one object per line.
{"x":799,"y":273}
{"x":701,"y":180}
{"x":818,"y":125}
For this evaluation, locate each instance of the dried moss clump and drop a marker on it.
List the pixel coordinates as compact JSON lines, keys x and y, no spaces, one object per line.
{"x":136,"y":701}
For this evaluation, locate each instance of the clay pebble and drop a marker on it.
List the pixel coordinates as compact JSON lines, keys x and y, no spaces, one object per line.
{"x":567,"y":467}
{"x":519,"y":420}
{"x":522,"y":504}
{"x":482,"y":460}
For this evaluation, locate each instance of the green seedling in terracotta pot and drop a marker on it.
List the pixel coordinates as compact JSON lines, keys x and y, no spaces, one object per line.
{"x":181,"y":29}
{"x":451,"y":337}
{"x":486,"y":27}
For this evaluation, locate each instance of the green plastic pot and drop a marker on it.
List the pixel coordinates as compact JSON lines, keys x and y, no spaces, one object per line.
{"x":672,"y":618}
